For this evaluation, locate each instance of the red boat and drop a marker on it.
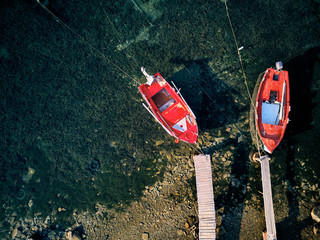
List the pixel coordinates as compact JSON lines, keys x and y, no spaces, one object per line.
{"x":273,"y":107}
{"x":169,"y":108}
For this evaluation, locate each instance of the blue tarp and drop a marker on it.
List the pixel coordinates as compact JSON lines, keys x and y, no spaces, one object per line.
{"x":270,"y":113}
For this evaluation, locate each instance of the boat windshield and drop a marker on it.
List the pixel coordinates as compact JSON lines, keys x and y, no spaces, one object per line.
{"x":163,"y":100}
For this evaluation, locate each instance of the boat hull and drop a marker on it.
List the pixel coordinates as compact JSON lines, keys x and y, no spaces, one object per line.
{"x":272,"y":108}
{"x":170,"y":109}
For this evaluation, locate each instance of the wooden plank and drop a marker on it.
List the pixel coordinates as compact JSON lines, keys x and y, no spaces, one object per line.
{"x":267,"y":198}
{"x":206,"y":210}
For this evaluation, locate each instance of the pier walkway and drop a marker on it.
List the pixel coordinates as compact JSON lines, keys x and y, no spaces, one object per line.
{"x":206,"y":210}
{"x":267,"y":198}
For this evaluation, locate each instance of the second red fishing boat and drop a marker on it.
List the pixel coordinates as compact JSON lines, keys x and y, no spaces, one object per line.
{"x":169,"y":108}
{"x":273,"y":107}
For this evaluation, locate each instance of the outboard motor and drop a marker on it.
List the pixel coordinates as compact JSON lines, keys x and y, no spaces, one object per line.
{"x":279,"y":66}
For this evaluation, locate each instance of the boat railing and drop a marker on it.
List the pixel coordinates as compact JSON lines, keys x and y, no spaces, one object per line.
{"x":282,"y":101}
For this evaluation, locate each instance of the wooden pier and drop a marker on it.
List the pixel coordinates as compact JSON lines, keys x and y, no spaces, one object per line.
{"x":267,"y":198}
{"x":206,"y":210}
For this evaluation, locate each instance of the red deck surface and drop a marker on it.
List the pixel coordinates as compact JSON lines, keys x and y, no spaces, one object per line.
{"x":272,"y":134}
{"x":178,"y":111}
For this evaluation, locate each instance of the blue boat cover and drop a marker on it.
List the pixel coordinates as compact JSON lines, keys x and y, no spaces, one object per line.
{"x":270,"y":113}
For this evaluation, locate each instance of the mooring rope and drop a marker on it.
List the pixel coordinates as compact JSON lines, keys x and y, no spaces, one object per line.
{"x":199,"y":148}
{"x":86,"y":42}
{"x":243,"y":72}
{"x":238,"y":50}
{"x":99,"y":53}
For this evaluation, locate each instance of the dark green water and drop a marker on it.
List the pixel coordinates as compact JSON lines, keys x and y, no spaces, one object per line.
{"x":62,"y":105}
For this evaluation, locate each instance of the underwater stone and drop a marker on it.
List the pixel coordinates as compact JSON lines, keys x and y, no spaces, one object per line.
{"x":30,"y":203}
{"x":316,"y":229}
{"x":145,"y":236}
{"x":26,"y":178}
{"x":74,"y":235}
{"x":315,"y":213}
{"x":14,"y":233}
{"x":180,"y":232}
{"x":240,"y":139}
{"x":158,"y":143}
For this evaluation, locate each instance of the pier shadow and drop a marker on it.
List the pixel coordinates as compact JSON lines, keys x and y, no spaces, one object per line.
{"x":233,"y":200}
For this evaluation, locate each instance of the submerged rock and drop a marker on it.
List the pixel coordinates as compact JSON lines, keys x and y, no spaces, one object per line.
{"x":26,"y":178}
{"x":315,"y":213}
{"x":158,"y":143}
{"x":145,"y":236}
{"x":14,"y":233}
{"x":180,"y":232}
{"x":316,"y":229}
{"x":30,"y":203}
{"x":74,"y":235}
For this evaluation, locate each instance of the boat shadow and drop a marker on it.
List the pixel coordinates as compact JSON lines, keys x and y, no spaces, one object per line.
{"x":213,"y":103}
{"x":210,"y":98}
{"x":232,"y":202}
{"x":301,"y":74}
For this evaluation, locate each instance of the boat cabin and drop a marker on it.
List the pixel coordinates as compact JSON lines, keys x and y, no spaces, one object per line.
{"x":163,"y":100}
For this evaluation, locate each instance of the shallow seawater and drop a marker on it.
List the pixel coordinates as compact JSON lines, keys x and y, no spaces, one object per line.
{"x":66,"y":101}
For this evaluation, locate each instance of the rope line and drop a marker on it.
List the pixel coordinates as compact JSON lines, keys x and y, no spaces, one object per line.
{"x":199,"y":148}
{"x":99,"y":53}
{"x":243,"y":72}
{"x":238,"y":51}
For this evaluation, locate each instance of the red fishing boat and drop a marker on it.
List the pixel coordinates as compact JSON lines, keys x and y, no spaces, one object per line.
{"x":272,"y":107}
{"x":169,"y":108}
